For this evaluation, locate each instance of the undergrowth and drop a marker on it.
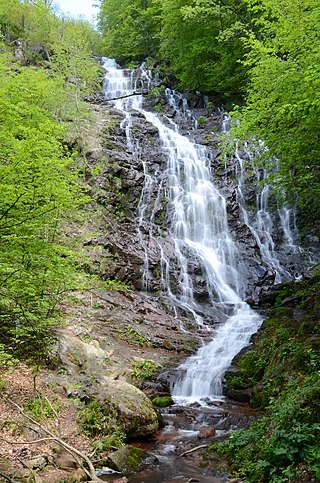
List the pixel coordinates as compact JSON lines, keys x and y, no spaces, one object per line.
{"x":97,"y":421}
{"x":282,"y":369}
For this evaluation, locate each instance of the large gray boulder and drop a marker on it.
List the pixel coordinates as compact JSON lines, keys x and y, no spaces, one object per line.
{"x":131,"y":408}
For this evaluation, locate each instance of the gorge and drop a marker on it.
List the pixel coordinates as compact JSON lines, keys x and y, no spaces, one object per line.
{"x":159,"y":227}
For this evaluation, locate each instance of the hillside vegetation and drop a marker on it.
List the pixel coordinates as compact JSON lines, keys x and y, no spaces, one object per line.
{"x":46,"y":70}
{"x":282,"y":371}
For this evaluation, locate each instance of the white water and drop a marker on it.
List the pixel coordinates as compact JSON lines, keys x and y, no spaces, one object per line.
{"x":199,"y":230}
{"x":261,"y":224}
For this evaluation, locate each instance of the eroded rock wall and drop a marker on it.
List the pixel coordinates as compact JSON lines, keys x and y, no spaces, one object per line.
{"x":124,"y":242}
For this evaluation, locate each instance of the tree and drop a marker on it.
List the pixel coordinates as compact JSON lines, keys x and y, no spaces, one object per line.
{"x":130,"y":28}
{"x":283,"y":100}
{"x":40,"y":180}
{"x":39,"y":186}
{"x":201,"y":42}
{"x":72,"y":58}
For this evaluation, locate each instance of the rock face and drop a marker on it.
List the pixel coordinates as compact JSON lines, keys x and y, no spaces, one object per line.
{"x":122,"y":326}
{"x":119,"y":251}
{"x":130,"y":409}
{"x":206,"y":432}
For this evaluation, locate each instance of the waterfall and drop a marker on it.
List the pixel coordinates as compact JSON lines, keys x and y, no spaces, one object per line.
{"x":260,"y":223}
{"x":198,"y":231}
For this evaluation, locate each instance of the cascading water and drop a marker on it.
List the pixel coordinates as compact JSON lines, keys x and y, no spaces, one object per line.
{"x":260,"y":223}
{"x":199,"y":232}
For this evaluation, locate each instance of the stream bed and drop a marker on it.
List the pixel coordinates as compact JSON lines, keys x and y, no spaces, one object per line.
{"x":180,"y":434}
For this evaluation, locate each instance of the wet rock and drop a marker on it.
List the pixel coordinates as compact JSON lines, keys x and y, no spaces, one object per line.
{"x":240,"y":395}
{"x":268,"y":295}
{"x":76,"y":476}
{"x":131,"y":409}
{"x":12,"y":474}
{"x":235,"y":421}
{"x":206,"y":432}
{"x":167,"y":378}
{"x":250,"y":301}
{"x":129,"y":459}
{"x":64,"y":461}
{"x":153,"y":389}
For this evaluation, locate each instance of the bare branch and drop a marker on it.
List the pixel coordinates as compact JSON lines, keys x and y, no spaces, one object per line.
{"x":36,"y":441}
{"x":6,"y":477}
{"x":104,"y":101}
{"x":9,"y":276}
{"x":12,"y":206}
{"x":73,"y":451}
{"x":194,"y":449}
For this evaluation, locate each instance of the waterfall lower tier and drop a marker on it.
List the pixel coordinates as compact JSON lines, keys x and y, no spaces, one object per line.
{"x":202,"y":373}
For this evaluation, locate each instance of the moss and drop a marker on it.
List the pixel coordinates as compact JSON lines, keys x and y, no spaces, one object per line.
{"x":95,"y":420}
{"x":162,"y":401}
{"x":288,"y":343}
{"x":128,"y":459}
{"x":282,"y":368}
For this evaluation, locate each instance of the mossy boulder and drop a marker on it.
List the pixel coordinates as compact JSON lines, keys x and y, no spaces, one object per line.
{"x":129,"y":406}
{"x":129,"y":459}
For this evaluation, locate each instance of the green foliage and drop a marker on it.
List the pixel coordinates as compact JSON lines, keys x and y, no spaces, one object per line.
{"x":41,"y":408}
{"x":71,"y":59}
{"x":62,"y":44}
{"x":113,"y":441}
{"x":136,"y":22}
{"x":201,"y":42}
{"x":283,"y":370}
{"x":283,"y":102}
{"x":276,"y":447}
{"x":202,"y":122}
{"x":143,"y":369}
{"x":39,"y":186}
{"x":6,"y":360}
{"x":162,"y":401}
{"x":133,"y":337}
{"x":197,"y":40}
{"x":40,"y":178}
{"x":96,"y":420}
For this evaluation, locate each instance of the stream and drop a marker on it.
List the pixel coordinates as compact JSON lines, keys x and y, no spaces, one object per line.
{"x":204,"y":250}
{"x":180,"y":435}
